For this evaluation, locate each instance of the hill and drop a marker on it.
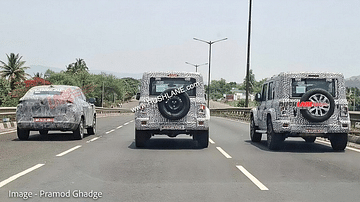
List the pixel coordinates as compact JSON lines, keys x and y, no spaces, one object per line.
{"x":353,"y":81}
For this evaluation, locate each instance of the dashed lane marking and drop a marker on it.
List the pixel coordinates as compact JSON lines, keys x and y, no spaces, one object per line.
{"x":252,"y":178}
{"x":119,"y":127}
{"x":223,"y":152}
{"x":14,"y":177}
{"x":95,"y":138}
{"x":110,"y":131}
{"x":126,"y":123}
{"x":70,"y":150}
{"x":211,"y":141}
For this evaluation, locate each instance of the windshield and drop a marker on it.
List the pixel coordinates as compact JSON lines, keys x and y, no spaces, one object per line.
{"x":304,"y":85}
{"x":159,"y":85}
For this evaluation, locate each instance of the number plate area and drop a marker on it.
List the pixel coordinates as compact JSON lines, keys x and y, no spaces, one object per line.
{"x":43,"y":119}
{"x":173,"y":127}
{"x":315,"y":131}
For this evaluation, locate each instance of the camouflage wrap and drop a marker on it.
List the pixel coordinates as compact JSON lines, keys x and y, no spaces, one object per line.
{"x":155,"y":120}
{"x":297,"y":123}
{"x":54,"y":111}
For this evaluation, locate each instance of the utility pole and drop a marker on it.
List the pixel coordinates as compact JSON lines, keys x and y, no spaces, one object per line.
{"x":248,"y":60}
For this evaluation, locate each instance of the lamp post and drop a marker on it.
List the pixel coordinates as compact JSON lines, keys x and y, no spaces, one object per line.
{"x":196,"y":66}
{"x":210,"y":43}
{"x":102,"y":97}
{"x":248,"y":61}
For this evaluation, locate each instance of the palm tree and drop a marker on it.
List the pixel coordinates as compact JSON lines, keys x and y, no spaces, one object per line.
{"x":38,"y":74}
{"x":77,"y":66}
{"x":14,"y":70}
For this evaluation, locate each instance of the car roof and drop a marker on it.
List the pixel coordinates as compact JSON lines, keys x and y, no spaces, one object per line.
{"x":181,"y":74}
{"x":307,"y":75}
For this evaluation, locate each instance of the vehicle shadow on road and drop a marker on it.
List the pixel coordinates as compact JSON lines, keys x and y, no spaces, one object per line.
{"x":168,"y":144}
{"x":56,"y":136}
{"x":294,"y":146}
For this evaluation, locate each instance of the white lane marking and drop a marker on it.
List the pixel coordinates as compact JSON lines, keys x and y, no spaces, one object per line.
{"x":328,"y":143}
{"x":12,"y":131}
{"x":126,"y":123}
{"x":223,"y":152}
{"x":211,"y":141}
{"x":252,"y":178}
{"x":14,"y":177}
{"x":119,"y":127}
{"x":70,"y":150}
{"x":131,"y":121}
{"x":95,"y":138}
{"x":110,"y":131}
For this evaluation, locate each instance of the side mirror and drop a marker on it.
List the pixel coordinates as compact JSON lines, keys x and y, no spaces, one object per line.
{"x":137,"y":96}
{"x":258,"y":97}
{"x":92,"y":100}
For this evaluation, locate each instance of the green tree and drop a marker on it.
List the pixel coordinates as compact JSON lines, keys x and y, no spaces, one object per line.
{"x":77,"y":66}
{"x":13,"y":70}
{"x":4,"y":92}
{"x":352,"y":96}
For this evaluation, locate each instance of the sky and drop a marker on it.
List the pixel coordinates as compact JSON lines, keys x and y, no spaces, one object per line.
{"x":157,"y":35}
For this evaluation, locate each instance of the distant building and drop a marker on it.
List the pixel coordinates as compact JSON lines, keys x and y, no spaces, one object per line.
{"x":238,"y":95}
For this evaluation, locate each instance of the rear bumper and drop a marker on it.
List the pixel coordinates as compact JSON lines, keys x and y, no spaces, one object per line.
{"x":145,"y":124}
{"x":65,"y":126}
{"x":285,"y":126}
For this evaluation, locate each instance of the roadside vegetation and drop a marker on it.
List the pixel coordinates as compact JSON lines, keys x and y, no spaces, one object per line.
{"x":220,"y":87}
{"x":15,"y":82}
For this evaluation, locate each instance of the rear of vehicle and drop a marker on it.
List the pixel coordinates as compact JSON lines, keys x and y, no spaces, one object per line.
{"x":306,"y":105}
{"x":45,"y":108}
{"x":172,"y":104}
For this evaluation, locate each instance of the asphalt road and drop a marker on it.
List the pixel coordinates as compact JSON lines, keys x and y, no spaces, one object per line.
{"x":57,"y":168}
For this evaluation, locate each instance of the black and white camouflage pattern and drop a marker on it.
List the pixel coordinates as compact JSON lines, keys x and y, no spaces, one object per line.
{"x":65,"y":109}
{"x":298,"y":124}
{"x":152,"y":115}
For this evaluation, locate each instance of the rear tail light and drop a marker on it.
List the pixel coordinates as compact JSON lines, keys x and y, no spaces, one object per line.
{"x":344,"y":110}
{"x":202,"y":107}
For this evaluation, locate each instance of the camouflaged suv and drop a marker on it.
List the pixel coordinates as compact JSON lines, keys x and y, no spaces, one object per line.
{"x":172,"y":103}
{"x":55,"y":107}
{"x":306,"y":105}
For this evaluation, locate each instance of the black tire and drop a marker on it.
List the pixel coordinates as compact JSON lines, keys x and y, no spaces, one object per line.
{"x":141,"y":137}
{"x":92,"y":130}
{"x":79,"y":132}
{"x":175,"y":107}
{"x":309,"y":139}
{"x":315,"y":113}
{"x":274,"y":140}
{"x":339,"y":141}
{"x":43,"y":132}
{"x":202,"y":138}
{"x":23,"y":134}
{"x":255,"y":137}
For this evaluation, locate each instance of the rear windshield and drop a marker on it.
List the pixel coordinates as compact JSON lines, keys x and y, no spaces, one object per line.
{"x":304,"y":85}
{"x":159,"y":85}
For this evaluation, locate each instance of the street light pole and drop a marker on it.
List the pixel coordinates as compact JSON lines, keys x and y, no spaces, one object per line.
{"x":195,"y":65}
{"x":248,"y":61}
{"x":210,"y":43}
{"x":102,"y":97}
